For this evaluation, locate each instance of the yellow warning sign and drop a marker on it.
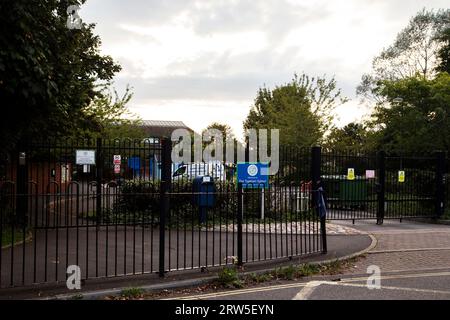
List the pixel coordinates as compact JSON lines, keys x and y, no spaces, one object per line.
{"x":351,"y":174}
{"x":401,"y":176}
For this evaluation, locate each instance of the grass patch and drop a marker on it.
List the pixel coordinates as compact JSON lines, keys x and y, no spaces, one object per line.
{"x":259,"y":278}
{"x":294,"y":272}
{"x":132,"y":293}
{"x":10,"y":236}
{"x":229,"y":278}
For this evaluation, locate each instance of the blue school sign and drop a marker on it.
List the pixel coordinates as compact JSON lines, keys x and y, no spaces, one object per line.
{"x":253,"y":175}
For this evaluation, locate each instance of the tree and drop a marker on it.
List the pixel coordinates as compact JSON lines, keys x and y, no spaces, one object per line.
{"x":48,"y":72}
{"x":353,"y":136}
{"x":421,"y":121}
{"x":444,"y":52}
{"x":109,"y":117}
{"x":223,"y":128}
{"x":414,"y":51}
{"x":301,"y":109}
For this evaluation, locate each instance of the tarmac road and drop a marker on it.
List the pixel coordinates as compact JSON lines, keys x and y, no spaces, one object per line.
{"x":421,"y":285}
{"x":414,"y":260}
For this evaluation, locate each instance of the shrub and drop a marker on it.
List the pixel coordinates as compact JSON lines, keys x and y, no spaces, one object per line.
{"x":229,"y":278}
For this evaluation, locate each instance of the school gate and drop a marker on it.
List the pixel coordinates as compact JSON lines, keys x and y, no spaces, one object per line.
{"x":114,"y":208}
{"x":384,"y":185}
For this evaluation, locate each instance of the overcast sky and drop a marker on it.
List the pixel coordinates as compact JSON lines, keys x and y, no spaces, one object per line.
{"x":203,"y":61}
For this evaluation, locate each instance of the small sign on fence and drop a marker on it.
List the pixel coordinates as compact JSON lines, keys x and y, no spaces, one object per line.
{"x":253,"y":175}
{"x":117,"y":168}
{"x":117,"y":159}
{"x":85,"y":157}
{"x":370,"y":174}
{"x":351,"y":174}
{"x":401,"y":176}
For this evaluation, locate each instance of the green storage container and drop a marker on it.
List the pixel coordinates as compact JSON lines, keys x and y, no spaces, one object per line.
{"x":353,"y":192}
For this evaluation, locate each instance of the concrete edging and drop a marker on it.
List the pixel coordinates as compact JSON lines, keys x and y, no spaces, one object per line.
{"x":93,"y":295}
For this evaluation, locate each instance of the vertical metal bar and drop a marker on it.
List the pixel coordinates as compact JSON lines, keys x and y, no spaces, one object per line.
{"x":381,"y":159}
{"x":440,"y":185}
{"x":99,"y":177}
{"x":164,"y":200}
{"x":315,"y":174}
{"x":239,"y":224}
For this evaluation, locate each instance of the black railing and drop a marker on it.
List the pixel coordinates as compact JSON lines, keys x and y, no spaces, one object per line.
{"x":115,"y":208}
{"x":132,"y":211}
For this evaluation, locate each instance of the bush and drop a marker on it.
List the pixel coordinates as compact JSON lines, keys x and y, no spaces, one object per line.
{"x":139,"y":201}
{"x":229,"y":278}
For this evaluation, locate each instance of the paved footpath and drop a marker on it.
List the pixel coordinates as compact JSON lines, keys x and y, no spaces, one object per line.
{"x":414,"y":260}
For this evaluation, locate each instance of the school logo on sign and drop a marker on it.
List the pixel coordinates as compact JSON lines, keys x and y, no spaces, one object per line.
{"x":252,"y":170}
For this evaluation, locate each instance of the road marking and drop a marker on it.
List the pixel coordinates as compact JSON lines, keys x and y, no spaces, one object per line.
{"x":308,"y":290}
{"x":309,"y":287}
{"x":400,"y":232}
{"x":400,"y":276}
{"x":383,"y":287}
{"x":241,"y":291}
{"x":408,"y":250}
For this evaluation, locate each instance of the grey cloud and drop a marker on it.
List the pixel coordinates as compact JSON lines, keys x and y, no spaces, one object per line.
{"x":223,"y":76}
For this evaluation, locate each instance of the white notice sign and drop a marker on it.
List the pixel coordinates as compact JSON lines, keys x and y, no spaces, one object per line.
{"x":117,"y":159}
{"x":370,"y":174}
{"x":85,"y":157}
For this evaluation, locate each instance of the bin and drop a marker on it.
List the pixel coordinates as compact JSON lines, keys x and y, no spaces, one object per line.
{"x":204,"y":195}
{"x":353,"y":192}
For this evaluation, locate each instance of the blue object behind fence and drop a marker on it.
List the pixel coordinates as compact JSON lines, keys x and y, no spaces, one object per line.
{"x":321,"y":203}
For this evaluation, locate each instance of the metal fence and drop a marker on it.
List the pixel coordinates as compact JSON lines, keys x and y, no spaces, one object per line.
{"x":119,"y":208}
{"x":384,"y":186}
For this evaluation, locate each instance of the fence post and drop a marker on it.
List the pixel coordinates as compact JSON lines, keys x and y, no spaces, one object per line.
{"x":440,"y":186}
{"x":166,"y":180}
{"x":381,"y":160}
{"x":316,"y":160}
{"x":99,"y":178}
{"x":239,"y":224}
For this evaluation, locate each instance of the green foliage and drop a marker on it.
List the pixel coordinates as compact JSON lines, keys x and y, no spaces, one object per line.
{"x":48,"y":72}
{"x":12,"y":236}
{"x":414,"y":51}
{"x":444,"y":52}
{"x":301,"y":109}
{"x":421,"y":122}
{"x":108,"y":117}
{"x":132,"y":293}
{"x":353,"y":136}
{"x":140,"y":201}
{"x":294,"y":272}
{"x":229,"y":277}
{"x":259,"y":278}
{"x":287,"y":273}
{"x":306,"y":270}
